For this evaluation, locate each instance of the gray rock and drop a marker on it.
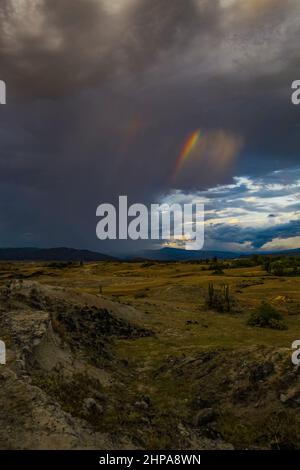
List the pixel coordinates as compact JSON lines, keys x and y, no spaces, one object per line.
{"x":291,"y":396}
{"x":91,"y":406}
{"x":284,"y":398}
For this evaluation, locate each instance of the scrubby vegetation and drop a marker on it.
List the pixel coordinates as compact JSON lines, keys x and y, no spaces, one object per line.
{"x":283,"y":266}
{"x":275,"y":265}
{"x":267,"y":316}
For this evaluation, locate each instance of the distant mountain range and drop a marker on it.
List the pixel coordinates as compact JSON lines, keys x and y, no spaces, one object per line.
{"x":164,"y":254}
{"x":176,"y":254}
{"x":51,"y":254}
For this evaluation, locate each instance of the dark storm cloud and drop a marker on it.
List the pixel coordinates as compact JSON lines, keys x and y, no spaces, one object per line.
{"x":50,"y":48}
{"x":256,"y":237}
{"x":53,"y":47}
{"x":102,"y":95}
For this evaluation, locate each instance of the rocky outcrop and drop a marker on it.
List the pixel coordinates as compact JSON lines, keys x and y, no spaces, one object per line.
{"x":248,"y":397}
{"x":51,"y":384}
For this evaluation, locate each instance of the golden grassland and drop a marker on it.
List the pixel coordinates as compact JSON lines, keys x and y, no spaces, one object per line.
{"x":172,"y":298}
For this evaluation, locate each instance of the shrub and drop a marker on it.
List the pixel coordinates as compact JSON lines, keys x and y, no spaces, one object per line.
{"x":217,"y":269}
{"x":282,"y":266}
{"x":267,"y":316}
{"x":277,"y":268}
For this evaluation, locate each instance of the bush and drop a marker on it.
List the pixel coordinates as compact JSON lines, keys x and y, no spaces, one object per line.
{"x":282,"y":266}
{"x":217,"y":269}
{"x":277,"y":268}
{"x":267,"y":316}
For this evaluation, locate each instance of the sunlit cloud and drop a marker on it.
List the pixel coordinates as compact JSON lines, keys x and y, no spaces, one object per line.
{"x":282,"y":244}
{"x":251,"y":213}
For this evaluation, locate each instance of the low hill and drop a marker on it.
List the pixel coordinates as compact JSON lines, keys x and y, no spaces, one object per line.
{"x":51,"y":254}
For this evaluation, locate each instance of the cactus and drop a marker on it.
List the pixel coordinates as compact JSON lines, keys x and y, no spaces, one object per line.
{"x":219,"y":299}
{"x":226,"y":296}
{"x":211,"y":291}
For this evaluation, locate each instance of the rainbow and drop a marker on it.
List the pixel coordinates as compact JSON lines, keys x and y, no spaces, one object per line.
{"x":189,"y":145}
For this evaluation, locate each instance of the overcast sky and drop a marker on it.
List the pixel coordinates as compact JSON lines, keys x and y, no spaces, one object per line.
{"x":102,"y":95}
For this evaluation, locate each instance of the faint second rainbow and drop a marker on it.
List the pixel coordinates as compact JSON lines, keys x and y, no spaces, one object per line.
{"x":186,"y":151}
